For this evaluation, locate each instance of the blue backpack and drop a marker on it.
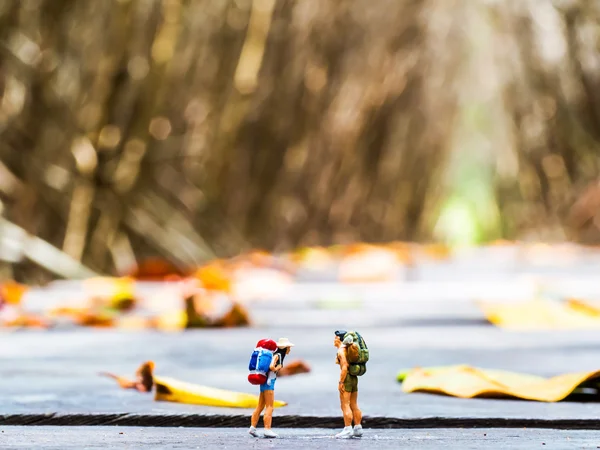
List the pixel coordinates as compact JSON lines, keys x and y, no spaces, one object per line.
{"x":260,"y":364}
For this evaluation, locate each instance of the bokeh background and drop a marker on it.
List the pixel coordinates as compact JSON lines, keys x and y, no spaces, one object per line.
{"x":194,"y":129}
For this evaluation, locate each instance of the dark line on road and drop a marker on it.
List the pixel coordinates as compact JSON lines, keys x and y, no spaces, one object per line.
{"x":287,"y":421}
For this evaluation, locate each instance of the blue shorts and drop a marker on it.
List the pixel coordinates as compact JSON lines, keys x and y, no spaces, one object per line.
{"x":268,"y":386}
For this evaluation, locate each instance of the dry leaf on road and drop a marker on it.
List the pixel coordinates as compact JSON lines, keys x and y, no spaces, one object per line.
{"x":467,"y":382}
{"x":171,"y":390}
{"x":295,"y":367}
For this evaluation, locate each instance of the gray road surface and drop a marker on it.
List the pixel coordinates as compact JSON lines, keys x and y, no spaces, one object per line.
{"x":80,"y":438}
{"x":45,"y":372}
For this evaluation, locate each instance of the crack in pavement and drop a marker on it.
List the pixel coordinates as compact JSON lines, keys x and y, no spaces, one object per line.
{"x":286,"y":421}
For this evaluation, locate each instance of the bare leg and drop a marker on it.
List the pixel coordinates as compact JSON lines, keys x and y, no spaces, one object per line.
{"x":346,"y":410}
{"x":258,"y":410}
{"x":269,"y":399}
{"x":356,"y":412}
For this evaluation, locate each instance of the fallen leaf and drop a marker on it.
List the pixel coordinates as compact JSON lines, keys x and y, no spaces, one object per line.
{"x":172,"y":390}
{"x":114,"y":293}
{"x":27,"y":321}
{"x":295,"y":367}
{"x":92,"y":319}
{"x":11,"y":292}
{"x":588,"y":307}
{"x":171,"y":321}
{"x":540,"y":315}
{"x":215,"y":276}
{"x":154,"y":269}
{"x":144,"y":378}
{"x":467,"y":382}
{"x":312,"y":257}
{"x":215,"y":309}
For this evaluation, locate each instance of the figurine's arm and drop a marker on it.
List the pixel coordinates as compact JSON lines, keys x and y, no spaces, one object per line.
{"x":275,"y":366}
{"x":343,"y":367}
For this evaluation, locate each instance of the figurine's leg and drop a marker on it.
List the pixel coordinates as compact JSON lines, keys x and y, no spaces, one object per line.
{"x":356,"y":412}
{"x":346,"y":410}
{"x":269,"y":400}
{"x":258,"y":410}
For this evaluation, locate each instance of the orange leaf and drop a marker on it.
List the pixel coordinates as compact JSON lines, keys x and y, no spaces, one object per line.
{"x":155,"y":269}
{"x":215,"y":276}
{"x":28,"y":321}
{"x":94,"y":320}
{"x":11,"y":292}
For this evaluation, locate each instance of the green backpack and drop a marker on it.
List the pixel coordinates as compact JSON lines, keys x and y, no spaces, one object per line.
{"x":358,"y":354}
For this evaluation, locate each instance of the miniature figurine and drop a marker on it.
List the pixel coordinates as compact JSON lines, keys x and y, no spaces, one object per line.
{"x":352,"y":356}
{"x":265,"y":363}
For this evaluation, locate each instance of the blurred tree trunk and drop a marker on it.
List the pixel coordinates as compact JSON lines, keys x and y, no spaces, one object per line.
{"x":135,"y":128}
{"x":349,"y":125}
{"x":548,"y":55}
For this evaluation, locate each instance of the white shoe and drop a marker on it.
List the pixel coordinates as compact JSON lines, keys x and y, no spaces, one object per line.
{"x":252,"y":431}
{"x":346,"y":433}
{"x":358,"y":431}
{"x":270,"y":434}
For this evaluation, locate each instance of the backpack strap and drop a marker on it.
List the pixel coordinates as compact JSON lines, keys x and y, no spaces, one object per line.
{"x":282,"y":354}
{"x":361,"y":342}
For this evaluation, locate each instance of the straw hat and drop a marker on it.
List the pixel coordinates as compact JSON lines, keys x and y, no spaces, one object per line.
{"x":284,"y":343}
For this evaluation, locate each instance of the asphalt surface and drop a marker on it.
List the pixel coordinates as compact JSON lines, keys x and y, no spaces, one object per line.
{"x":430,"y":321}
{"x":125,"y":437}
{"x":57,"y":372}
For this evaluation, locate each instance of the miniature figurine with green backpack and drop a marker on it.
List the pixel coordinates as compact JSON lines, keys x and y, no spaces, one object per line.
{"x":352,"y":356}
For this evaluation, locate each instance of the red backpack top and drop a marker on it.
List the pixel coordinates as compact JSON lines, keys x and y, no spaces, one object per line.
{"x":268,"y":344}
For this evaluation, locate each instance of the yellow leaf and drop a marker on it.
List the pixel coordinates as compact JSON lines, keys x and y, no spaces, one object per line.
{"x":589,"y":307}
{"x":172,"y":390}
{"x":540,"y":315}
{"x":113,"y":289}
{"x":172,"y":321}
{"x":468,"y":382}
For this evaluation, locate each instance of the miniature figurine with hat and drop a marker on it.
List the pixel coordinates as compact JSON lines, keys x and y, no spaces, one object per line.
{"x":266,"y":360}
